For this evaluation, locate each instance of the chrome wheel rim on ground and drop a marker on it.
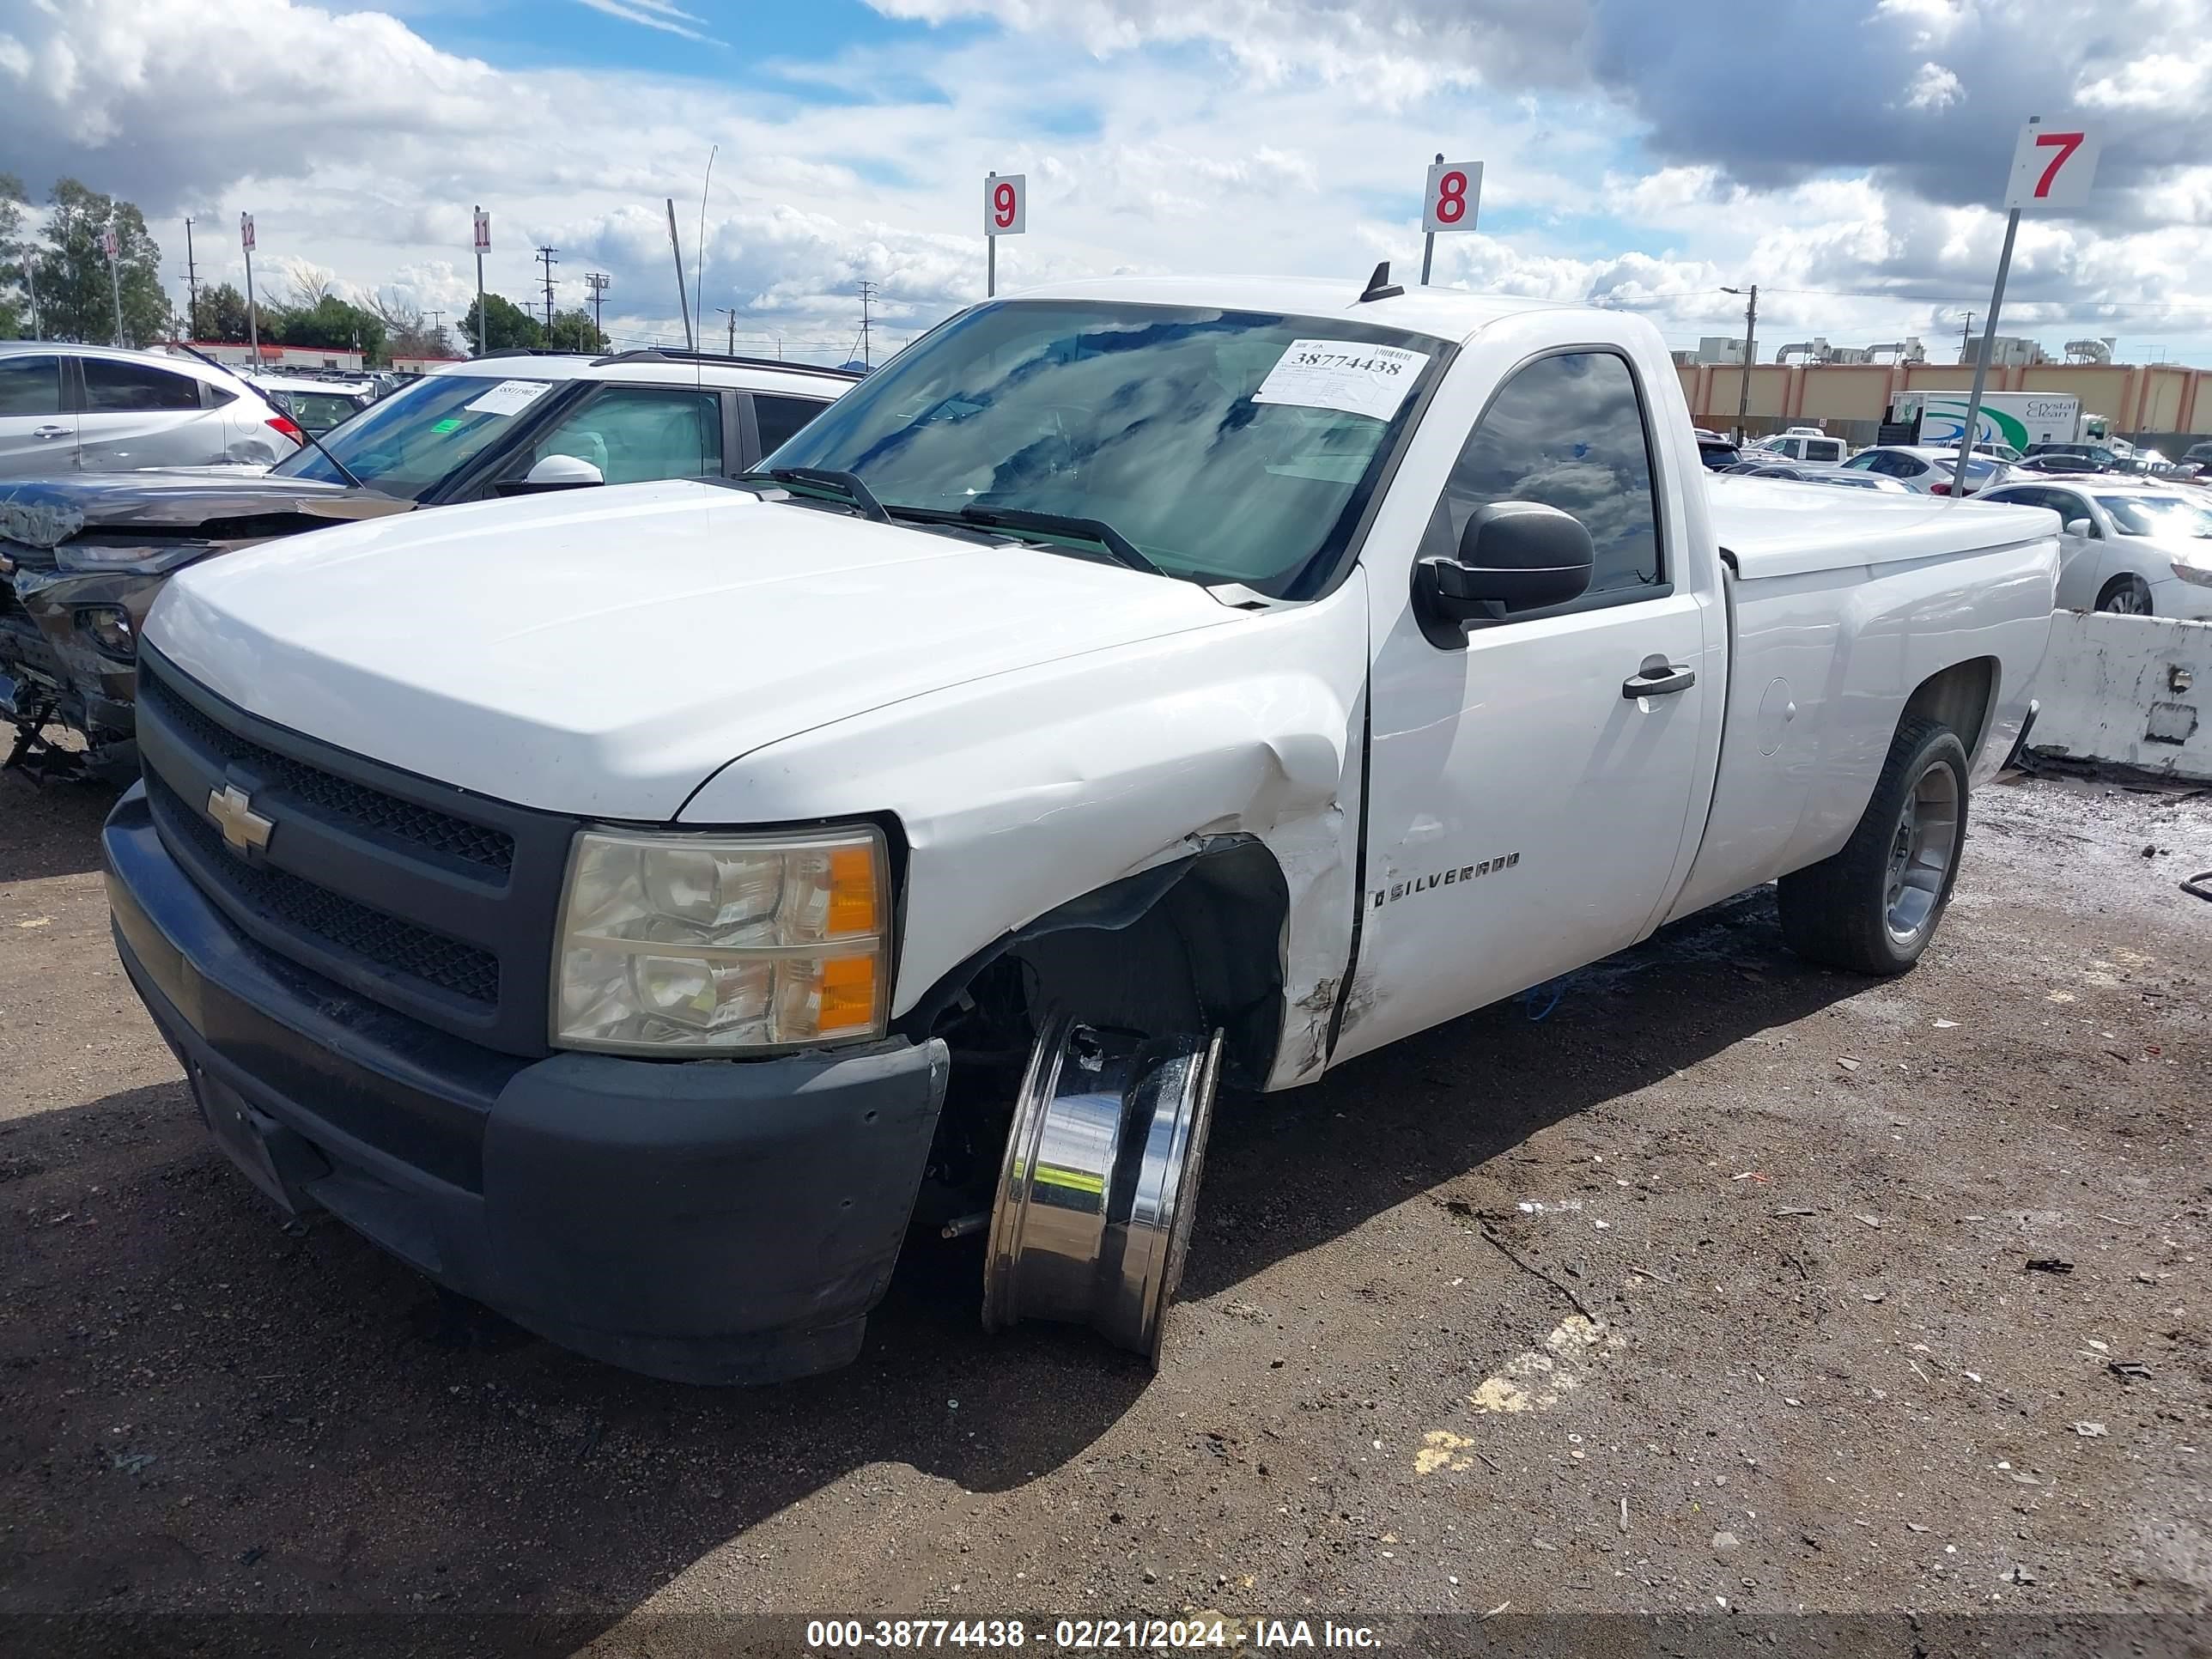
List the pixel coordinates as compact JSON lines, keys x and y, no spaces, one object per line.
{"x":1093,"y":1215}
{"x":1922,"y":850}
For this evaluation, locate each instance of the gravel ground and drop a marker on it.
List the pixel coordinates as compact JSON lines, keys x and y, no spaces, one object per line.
{"x":1718,"y":1285}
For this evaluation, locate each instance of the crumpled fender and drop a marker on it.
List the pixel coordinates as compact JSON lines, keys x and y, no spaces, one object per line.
{"x":1020,"y":792}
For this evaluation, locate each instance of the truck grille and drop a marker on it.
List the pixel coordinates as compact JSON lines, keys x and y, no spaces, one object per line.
{"x":410,"y":893}
{"x":366,"y":809}
{"x":464,"y":969}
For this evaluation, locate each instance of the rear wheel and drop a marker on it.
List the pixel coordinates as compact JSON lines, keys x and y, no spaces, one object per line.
{"x":1873,"y":908}
{"x":2125,"y":596}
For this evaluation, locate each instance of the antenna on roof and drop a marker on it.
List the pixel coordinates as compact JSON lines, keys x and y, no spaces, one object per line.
{"x":1380,"y":286}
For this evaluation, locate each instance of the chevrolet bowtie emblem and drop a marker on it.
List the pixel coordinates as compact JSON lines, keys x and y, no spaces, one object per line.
{"x":242,"y":827}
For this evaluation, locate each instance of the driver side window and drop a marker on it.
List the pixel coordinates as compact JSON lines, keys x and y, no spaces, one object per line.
{"x":1568,"y":431}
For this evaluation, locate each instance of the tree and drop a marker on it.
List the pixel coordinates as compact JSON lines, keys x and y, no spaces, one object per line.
{"x":222,"y":314}
{"x":333,"y":324}
{"x":510,"y":326}
{"x":410,"y":334}
{"x":573,"y":330}
{"x":14,"y":248}
{"x":75,"y":301}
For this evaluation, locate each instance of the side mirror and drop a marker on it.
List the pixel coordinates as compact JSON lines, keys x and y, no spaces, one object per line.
{"x":1513,"y":556}
{"x":2081,"y":527}
{"x":554,"y":473}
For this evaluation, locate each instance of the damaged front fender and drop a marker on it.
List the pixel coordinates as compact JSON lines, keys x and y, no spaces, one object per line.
{"x":1019,"y":793}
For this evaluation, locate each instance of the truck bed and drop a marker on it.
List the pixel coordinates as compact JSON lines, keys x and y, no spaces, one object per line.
{"x":1777,"y":527}
{"x":1837,"y":609}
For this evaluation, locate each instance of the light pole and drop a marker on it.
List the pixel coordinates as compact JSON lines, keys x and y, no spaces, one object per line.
{"x":597,"y":281}
{"x":1750,"y":356}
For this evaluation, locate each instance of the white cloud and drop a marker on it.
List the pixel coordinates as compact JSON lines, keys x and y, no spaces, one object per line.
{"x":1933,"y":87}
{"x":361,"y":149}
{"x":2163,"y":82}
{"x":654,"y":14}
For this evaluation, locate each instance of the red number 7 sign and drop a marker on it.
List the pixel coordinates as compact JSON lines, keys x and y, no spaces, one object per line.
{"x":2051,"y":168}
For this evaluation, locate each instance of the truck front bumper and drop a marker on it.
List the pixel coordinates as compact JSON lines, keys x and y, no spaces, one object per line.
{"x":712,"y":1221}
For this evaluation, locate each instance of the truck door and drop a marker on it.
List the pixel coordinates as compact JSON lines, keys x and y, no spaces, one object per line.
{"x":1526,"y":812}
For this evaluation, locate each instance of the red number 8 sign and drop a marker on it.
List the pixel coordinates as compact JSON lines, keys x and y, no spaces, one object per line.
{"x":1006,"y":204}
{"x":1454,"y":192}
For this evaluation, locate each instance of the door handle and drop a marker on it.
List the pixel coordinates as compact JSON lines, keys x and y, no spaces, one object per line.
{"x":49,"y":432}
{"x":1658,"y":678}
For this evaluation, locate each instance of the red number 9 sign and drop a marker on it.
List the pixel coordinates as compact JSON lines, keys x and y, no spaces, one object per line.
{"x":1006,"y":204}
{"x":1455,"y":190}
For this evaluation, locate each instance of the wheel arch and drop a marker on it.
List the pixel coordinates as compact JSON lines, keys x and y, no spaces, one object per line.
{"x":1963,"y":697}
{"x":1189,"y":945}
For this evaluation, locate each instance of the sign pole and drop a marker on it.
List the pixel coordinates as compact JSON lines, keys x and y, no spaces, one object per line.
{"x":483,"y":239}
{"x":252,"y":311}
{"x":1429,"y":240}
{"x":115,"y":287}
{"x":1973,"y":421}
{"x":990,"y":248}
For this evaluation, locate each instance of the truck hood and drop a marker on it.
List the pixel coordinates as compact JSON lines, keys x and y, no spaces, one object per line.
{"x":604,"y":651}
{"x":43,"y":513}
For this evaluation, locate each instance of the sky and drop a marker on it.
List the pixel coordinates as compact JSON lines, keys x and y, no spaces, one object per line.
{"x":1847,"y":155}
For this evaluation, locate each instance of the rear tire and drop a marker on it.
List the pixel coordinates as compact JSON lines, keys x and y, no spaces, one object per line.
{"x":1874,"y":907}
{"x":2125,"y":596}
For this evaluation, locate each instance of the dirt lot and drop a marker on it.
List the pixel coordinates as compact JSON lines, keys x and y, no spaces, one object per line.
{"x":1721,"y":1285}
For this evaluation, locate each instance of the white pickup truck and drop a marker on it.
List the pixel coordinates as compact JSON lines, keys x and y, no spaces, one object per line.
{"x":643,"y":908}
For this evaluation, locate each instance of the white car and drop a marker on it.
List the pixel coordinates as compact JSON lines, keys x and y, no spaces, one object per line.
{"x":2135,"y":550}
{"x":1815,"y":447}
{"x":1926,"y":470}
{"x":317,"y":404}
{"x":636,"y":907}
{"x":67,"y":409}
{"x":1804,"y":472}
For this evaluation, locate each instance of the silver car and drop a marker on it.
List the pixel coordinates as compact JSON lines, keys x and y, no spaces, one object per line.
{"x":69,"y":409}
{"x":2126,"y":547}
{"x":1928,"y":471}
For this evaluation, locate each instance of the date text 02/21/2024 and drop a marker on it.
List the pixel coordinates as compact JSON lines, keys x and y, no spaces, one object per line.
{"x":1086,"y":1635}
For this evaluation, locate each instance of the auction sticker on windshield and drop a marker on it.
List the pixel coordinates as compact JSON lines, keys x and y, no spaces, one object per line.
{"x":1349,"y":376}
{"x":509,"y":397}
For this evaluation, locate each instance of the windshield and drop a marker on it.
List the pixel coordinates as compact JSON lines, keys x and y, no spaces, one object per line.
{"x":413,"y":440}
{"x":1226,"y":445}
{"x":2151,"y":515}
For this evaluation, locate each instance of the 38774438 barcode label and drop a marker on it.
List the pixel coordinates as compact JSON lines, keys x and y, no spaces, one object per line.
{"x":1351,"y":375}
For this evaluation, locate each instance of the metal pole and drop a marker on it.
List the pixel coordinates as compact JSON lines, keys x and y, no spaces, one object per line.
{"x":191,"y":286}
{"x":115,"y":288}
{"x":990,"y":244}
{"x":1429,"y":238}
{"x":252,"y":313}
{"x":1743,"y":375}
{"x":690,"y":342}
{"x":1982,"y":364}
{"x":30,"y":281}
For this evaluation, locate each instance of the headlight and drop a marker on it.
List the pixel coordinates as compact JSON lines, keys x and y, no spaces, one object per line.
{"x":2189,"y":571}
{"x":108,"y":627}
{"x":722,"y":942}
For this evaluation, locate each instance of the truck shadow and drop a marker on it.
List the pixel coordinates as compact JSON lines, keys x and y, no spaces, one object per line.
{"x":360,"y":1445}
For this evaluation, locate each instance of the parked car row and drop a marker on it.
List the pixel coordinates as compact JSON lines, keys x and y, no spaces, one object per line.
{"x":83,"y":554}
{"x":71,"y":408}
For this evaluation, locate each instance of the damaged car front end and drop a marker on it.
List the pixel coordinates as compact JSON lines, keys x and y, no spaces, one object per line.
{"x":81,"y":562}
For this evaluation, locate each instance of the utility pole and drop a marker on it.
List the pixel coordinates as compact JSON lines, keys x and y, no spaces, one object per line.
{"x":731,"y":312}
{"x":1966,"y":338}
{"x":191,"y":286}
{"x":597,"y":281}
{"x":545,"y":258}
{"x":1750,"y":356}
{"x":867,"y":294}
{"x":438,"y":328}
